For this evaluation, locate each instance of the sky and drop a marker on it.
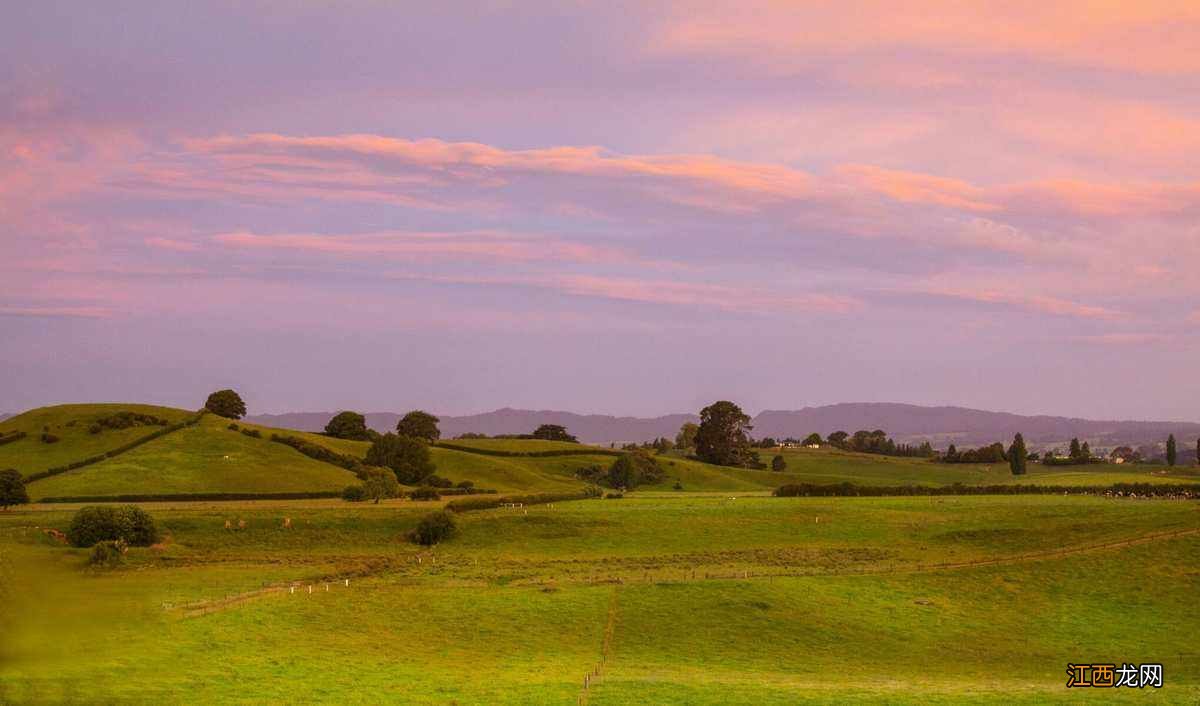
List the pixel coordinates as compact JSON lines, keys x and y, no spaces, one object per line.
{"x":616,"y":207}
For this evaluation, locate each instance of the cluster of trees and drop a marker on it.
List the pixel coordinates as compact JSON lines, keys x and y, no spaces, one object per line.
{"x":994,"y":453}
{"x":545,"y":432}
{"x":628,"y":471}
{"x":873,"y":442}
{"x":723,"y":438}
{"x":12,"y":489}
{"x":1077,"y":454}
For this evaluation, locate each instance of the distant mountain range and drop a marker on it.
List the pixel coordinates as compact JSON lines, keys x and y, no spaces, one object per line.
{"x":904,"y":422}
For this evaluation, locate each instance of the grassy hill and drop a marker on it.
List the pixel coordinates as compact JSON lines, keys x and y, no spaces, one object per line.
{"x":210,"y":458}
{"x":70,"y":423}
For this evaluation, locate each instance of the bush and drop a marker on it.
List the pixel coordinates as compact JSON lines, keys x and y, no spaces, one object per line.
{"x":95,"y":429}
{"x":233,"y":426}
{"x":439,"y":482}
{"x":434,"y":528}
{"x":124,"y":420}
{"x":252,"y":433}
{"x":97,"y":523}
{"x":633,"y":469}
{"x":778,"y":464}
{"x":354,"y":493}
{"x":613,"y":496}
{"x":108,"y":554}
{"x":425,"y":494}
{"x":466,"y":484}
{"x":12,"y":489}
{"x":48,"y":438}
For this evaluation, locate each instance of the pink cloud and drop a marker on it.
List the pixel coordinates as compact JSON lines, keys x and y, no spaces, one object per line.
{"x":1030,"y":302}
{"x":57,"y":312}
{"x":172,"y":244}
{"x":911,"y":187}
{"x":482,"y":245}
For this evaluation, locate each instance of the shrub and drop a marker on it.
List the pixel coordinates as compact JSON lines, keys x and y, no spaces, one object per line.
{"x":613,"y":496}
{"x":778,"y":464}
{"x":12,"y":489}
{"x":434,"y":528}
{"x":126,"y":419}
{"x":97,"y":523}
{"x":109,"y":553}
{"x":95,"y":429}
{"x":425,"y":494}
{"x":252,"y":433}
{"x":320,"y":453}
{"x":439,"y":482}
{"x":233,"y":426}
{"x":48,"y":438}
{"x":354,"y":493}
{"x":465,"y":484}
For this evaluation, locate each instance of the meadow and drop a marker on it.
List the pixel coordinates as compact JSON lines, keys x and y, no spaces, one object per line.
{"x":683,"y":599}
{"x":699,"y":589}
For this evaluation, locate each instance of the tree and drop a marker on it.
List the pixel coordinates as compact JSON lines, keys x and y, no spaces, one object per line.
{"x":1075,"y":451}
{"x":686,"y":438}
{"x":1018,"y":455}
{"x":813,"y":439}
{"x":951,"y":454}
{"x":380,"y":483}
{"x":419,"y":425}
{"x":1085,"y":452}
{"x":553,"y":432}
{"x":722,"y":437}
{"x":838,"y":439}
{"x":633,"y":469}
{"x":406,"y":456}
{"x":348,"y":425}
{"x":1172,"y":456}
{"x":1198,"y":451}
{"x":778,"y":464}
{"x":226,"y":403}
{"x":12,"y":489}
{"x":99,"y":523}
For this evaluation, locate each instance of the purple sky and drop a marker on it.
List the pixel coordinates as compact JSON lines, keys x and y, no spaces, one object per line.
{"x":630,"y":208}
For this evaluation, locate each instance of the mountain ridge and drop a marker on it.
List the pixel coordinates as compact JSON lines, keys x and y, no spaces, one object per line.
{"x":940,"y":425}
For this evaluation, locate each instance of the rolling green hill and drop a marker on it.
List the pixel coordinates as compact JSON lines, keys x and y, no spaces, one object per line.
{"x":70,"y":422}
{"x":211,"y":458}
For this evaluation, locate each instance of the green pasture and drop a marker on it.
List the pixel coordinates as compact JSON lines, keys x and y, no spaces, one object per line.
{"x":708,"y":600}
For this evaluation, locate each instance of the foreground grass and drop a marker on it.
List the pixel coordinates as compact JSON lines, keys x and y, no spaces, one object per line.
{"x":847,"y":603}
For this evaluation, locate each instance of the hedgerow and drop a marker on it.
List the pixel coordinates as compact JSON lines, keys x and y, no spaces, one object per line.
{"x":529,"y":454}
{"x":1187,"y":491}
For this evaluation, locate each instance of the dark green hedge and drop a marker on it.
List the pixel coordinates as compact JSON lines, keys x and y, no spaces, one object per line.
{"x":9,"y":438}
{"x":1177,"y":490}
{"x":175,"y":497}
{"x":530,"y":454}
{"x":320,"y":453}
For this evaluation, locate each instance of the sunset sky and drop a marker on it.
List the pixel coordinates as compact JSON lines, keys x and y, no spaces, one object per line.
{"x":629,"y":208}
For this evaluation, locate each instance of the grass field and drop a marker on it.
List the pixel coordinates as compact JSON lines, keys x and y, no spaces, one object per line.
{"x":70,"y":423}
{"x":203,"y":458}
{"x":683,"y":598}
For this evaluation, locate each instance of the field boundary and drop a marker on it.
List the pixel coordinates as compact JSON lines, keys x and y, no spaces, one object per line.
{"x":180,"y":497}
{"x":528,"y":454}
{"x":112,"y":453}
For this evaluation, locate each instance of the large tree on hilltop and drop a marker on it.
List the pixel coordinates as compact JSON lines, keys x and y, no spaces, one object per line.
{"x":419,"y":425}
{"x":722,"y":437}
{"x":553,"y":432}
{"x":348,"y":425}
{"x":226,"y":403}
